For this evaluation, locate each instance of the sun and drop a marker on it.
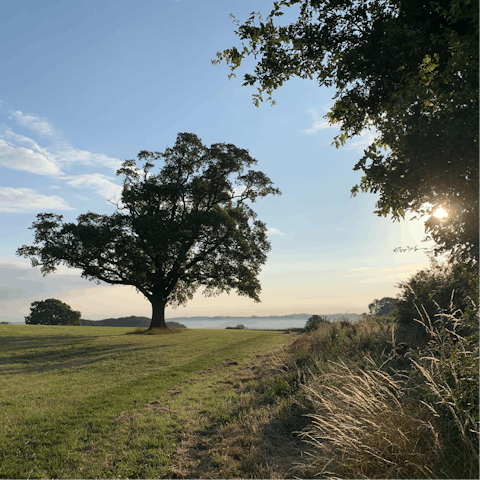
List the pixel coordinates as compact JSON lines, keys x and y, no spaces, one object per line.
{"x":440,"y":213}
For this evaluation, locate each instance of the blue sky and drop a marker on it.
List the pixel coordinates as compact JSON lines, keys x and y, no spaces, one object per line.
{"x":86,"y":85}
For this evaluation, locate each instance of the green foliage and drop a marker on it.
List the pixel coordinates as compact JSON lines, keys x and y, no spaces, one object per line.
{"x":189,"y":226}
{"x":52,"y":312}
{"x":406,"y":68}
{"x":382,"y":307}
{"x":446,"y":376}
{"x":393,"y":412}
{"x":345,"y":339}
{"x":430,"y":292}
{"x":314,"y":322}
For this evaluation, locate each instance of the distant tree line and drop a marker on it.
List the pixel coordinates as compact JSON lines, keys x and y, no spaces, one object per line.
{"x":131,"y":321}
{"x":55,"y":312}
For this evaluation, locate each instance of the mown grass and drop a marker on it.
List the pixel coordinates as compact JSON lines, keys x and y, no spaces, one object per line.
{"x":364,"y":406}
{"x":92,"y":402}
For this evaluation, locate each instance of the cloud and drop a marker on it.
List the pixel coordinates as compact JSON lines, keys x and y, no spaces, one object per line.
{"x":16,"y":200}
{"x":59,"y":153}
{"x":67,"y":155}
{"x":16,"y":138}
{"x":358,"y":143}
{"x":100,"y":184}
{"x":362,"y":141}
{"x":26,"y":159}
{"x":19,"y":152}
{"x":26,"y":284}
{"x":317,"y":126}
{"x":274,"y":231}
{"x":34,"y":123}
{"x":318,"y":123}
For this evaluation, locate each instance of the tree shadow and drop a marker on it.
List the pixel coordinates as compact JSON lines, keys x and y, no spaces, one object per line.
{"x":67,"y":352}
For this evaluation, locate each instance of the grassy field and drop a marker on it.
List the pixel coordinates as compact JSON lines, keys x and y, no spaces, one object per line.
{"x":93,"y":402}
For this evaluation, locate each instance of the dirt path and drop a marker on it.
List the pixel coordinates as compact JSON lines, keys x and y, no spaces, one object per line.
{"x":256,"y":443}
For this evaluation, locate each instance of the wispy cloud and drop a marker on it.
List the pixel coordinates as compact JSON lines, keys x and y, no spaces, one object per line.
{"x":274,"y":231}
{"x":17,"y":139}
{"x":319,"y":123}
{"x":100,"y":184}
{"x":33,"y":122}
{"x":67,"y":155}
{"x":16,"y":200}
{"x":362,"y":141}
{"x":28,"y":160}
{"x":358,"y":143}
{"x":20,"y":152}
{"x":60,"y":153}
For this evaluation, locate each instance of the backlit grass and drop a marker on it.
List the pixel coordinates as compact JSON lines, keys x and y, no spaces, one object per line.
{"x":86,"y":402}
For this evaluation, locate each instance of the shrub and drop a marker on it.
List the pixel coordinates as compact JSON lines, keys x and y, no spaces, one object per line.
{"x":421,"y":422}
{"x":344,"y":339}
{"x":436,"y":289}
{"x":315,"y":322}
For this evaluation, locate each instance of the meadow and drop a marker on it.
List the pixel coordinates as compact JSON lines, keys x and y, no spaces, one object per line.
{"x":93,"y":402}
{"x":344,"y":399}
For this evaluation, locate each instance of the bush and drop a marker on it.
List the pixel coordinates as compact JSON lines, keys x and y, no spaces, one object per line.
{"x":430,"y":292}
{"x":314,"y":322}
{"x":371,"y":421}
{"x":331,"y":341}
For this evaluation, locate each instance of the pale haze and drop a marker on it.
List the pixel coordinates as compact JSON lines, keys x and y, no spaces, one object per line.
{"x":86,"y":85}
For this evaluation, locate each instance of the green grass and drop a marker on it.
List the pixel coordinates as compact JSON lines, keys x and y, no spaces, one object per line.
{"x":93,"y":402}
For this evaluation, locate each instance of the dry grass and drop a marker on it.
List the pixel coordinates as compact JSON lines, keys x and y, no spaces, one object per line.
{"x":332,"y":341}
{"x":251,"y":438}
{"x":417,"y":423}
{"x":364,"y":427}
{"x":449,"y":369}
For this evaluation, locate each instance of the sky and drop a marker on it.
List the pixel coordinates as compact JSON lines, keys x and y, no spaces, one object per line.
{"x":87,"y":85}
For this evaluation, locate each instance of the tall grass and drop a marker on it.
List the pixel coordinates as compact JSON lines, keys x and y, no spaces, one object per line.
{"x":369,"y":420}
{"x":363,"y":427}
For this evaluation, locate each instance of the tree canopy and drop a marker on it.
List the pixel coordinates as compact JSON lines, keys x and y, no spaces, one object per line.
{"x":407,"y":69}
{"x":189,"y":226}
{"x":382,"y":307}
{"x":52,"y":312}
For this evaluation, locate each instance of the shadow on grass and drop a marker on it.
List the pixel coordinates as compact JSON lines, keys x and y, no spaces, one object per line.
{"x":63,"y":355}
{"x":154,"y":331}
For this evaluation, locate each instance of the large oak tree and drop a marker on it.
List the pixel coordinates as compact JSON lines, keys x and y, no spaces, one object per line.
{"x":406,"y":68}
{"x":189,"y":226}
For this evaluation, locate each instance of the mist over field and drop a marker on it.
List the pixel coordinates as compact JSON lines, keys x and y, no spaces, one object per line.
{"x":251,"y":322}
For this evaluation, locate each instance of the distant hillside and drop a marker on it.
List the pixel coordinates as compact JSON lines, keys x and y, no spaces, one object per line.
{"x":333,"y":317}
{"x":126,"y":322}
{"x":336,"y":317}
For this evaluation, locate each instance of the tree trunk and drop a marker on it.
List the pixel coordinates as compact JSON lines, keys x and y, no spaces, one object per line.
{"x":158,"y":313}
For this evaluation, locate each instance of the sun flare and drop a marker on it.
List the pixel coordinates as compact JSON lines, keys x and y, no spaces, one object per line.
{"x":441,"y":213}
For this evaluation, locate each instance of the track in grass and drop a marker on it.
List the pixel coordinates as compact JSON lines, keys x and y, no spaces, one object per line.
{"x":86,"y":402}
